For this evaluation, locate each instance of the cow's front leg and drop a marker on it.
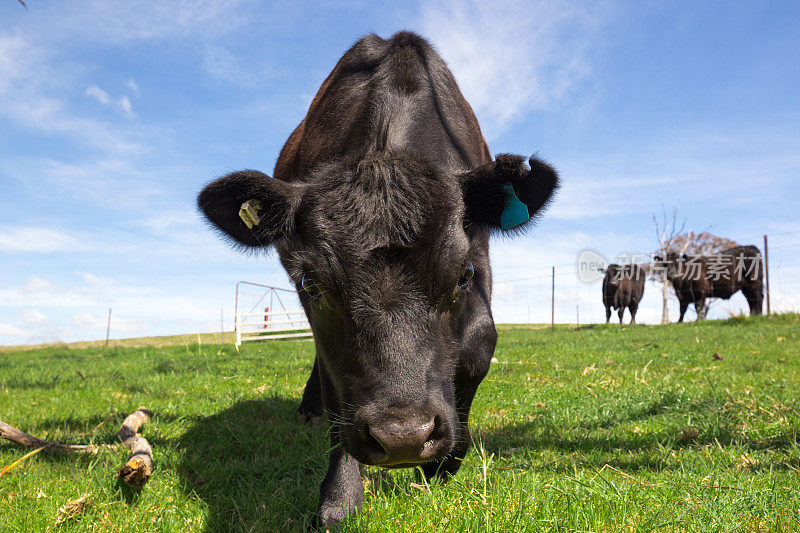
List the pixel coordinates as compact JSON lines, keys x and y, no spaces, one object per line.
{"x":448,"y":467}
{"x":754,"y":299}
{"x":342,"y":491}
{"x":475,"y":363}
{"x":684,"y":306}
{"x":700,"y":308}
{"x":311,"y":406}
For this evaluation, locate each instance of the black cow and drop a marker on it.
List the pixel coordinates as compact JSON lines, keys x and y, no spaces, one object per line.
{"x":721,"y":275}
{"x":610,"y":286}
{"x":383,"y":201}
{"x":623,"y":286}
{"x":630,"y":291}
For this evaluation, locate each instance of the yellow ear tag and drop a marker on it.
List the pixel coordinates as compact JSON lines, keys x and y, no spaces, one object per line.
{"x":249,"y":213}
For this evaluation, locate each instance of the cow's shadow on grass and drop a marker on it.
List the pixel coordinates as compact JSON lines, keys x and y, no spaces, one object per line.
{"x":559,"y":447}
{"x":255,"y":466}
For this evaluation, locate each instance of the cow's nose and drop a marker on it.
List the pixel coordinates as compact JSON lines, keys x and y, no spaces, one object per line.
{"x":405,"y":442}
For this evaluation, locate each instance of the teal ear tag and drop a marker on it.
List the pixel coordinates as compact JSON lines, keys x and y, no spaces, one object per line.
{"x":515,"y":212}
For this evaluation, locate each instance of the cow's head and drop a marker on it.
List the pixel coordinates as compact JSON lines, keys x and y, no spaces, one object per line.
{"x":673,"y":263}
{"x":384,"y":252}
{"x":613,"y":274}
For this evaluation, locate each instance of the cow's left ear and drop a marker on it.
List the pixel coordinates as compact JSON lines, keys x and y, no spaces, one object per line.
{"x":506,"y":194}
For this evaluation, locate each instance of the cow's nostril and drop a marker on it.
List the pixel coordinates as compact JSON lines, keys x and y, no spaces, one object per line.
{"x":373,"y":445}
{"x":405,"y":442}
{"x":439,"y":430}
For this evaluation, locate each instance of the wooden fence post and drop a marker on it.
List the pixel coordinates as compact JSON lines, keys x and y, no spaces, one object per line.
{"x":553,"y":302}
{"x":766,"y":270}
{"x":108,"y":327}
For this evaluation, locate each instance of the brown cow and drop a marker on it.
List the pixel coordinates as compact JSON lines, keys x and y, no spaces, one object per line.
{"x":696,"y":278}
{"x":623,"y":286}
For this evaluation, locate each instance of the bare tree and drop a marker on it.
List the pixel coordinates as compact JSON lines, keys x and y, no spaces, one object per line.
{"x":672,"y":238}
{"x":705,"y":244}
{"x":667,"y":233}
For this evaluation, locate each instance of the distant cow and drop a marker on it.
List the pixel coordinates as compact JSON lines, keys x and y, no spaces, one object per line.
{"x":610,"y":286}
{"x":623,"y":286}
{"x":381,"y":208}
{"x":696,"y":278}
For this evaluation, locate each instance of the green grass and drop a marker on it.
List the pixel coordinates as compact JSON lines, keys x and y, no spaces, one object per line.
{"x":602,"y":428}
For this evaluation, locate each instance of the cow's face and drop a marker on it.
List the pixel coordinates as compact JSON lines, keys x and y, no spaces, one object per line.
{"x":674,"y":264}
{"x":613,"y":274}
{"x":384,"y":254}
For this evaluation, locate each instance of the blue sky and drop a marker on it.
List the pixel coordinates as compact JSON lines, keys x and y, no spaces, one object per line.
{"x":114,"y":114}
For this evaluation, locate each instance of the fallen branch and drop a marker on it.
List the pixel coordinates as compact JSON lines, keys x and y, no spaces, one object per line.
{"x":138,"y":468}
{"x":6,"y":469}
{"x":20,"y":437}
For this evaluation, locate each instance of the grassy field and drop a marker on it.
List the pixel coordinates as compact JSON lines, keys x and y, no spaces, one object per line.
{"x":602,"y":428}
{"x":137,"y":342}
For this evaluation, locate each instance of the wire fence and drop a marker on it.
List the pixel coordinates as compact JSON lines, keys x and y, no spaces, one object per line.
{"x":557,"y":293}
{"x":537,"y":296}
{"x":534,"y":295}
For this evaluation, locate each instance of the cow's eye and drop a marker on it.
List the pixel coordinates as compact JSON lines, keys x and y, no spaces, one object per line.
{"x":466,"y":277}
{"x":311,"y":288}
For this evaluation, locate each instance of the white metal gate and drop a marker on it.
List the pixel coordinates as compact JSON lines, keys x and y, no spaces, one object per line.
{"x":264,"y":322}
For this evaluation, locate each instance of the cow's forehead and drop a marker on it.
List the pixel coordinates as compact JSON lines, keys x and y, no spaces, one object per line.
{"x":382,"y":202}
{"x":357,"y":219}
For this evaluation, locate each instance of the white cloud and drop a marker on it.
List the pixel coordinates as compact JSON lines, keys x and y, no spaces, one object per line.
{"x":221,"y":63}
{"x":77,"y":307}
{"x":17,"y":61}
{"x":176,"y":220}
{"x":36,"y":284}
{"x":42,"y":293}
{"x":584,"y":196}
{"x":98,"y":94}
{"x":94,"y":280}
{"x":33,"y":95}
{"x":124,"y":104}
{"x":33,"y":239}
{"x":8,"y":330}
{"x":511,"y":57}
{"x":32,"y":316}
{"x":119,"y":325}
{"x":640,"y":178}
{"x":103,"y":181}
{"x":88,"y":321}
{"x":115,"y":22}
{"x":131,"y":84}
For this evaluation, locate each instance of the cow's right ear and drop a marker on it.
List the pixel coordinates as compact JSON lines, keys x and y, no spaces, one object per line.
{"x":506,"y":194}
{"x":250,"y":207}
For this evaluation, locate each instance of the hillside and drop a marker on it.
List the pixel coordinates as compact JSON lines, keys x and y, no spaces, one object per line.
{"x":596,"y":428}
